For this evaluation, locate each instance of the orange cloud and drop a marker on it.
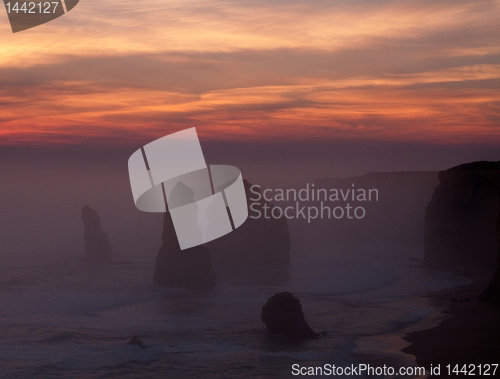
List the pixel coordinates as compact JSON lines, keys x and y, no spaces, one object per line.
{"x":119,"y":71}
{"x":325,"y":110}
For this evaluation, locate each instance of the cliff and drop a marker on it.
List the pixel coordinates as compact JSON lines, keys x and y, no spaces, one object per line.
{"x":460,"y":220}
{"x":491,"y":295}
{"x":97,"y":246}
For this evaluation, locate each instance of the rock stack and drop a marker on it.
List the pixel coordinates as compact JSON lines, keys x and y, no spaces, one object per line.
{"x":258,"y":252}
{"x":97,"y":246}
{"x":283,"y":315}
{"x":190,"y":268}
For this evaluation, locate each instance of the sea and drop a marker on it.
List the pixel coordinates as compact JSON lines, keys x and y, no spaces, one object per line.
{"x":62,"y":317}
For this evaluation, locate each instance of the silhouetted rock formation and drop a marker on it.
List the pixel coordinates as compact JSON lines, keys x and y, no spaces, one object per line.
{"x":460,"y":220}
{"x":136,"y":341}
{"x":190,"y":268}
{"x":491,"y":295}
{"x":97,"y":246}
{"x":283,"y":315}
{"x":256,"y":252}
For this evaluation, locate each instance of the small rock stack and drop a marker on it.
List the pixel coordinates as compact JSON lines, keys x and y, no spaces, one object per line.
{"x":283,"y":315}
{"x":97,"y":246}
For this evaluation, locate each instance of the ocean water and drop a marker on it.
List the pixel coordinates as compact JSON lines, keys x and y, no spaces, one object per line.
{"x":61,"y":317}
{"x":65,"y":318}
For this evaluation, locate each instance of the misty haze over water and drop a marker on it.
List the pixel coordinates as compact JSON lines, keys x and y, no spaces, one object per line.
{"x":63,"y":316}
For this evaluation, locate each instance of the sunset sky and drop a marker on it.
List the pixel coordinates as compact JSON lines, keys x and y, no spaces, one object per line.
{"x":118,"y":72}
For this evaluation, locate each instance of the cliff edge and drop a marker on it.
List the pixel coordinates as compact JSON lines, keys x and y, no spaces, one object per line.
{"x":460,"y":220}
{"x":491,"y":295}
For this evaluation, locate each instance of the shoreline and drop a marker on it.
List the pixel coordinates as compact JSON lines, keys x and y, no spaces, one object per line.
{"x":461,"y":330}
{"x":470,"y":335}
{"x":388,"y":348}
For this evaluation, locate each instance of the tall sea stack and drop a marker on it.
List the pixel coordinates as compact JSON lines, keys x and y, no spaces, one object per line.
{"x":460,"y":220}
{"x":190,"y":268}
{"x":97,"y":246}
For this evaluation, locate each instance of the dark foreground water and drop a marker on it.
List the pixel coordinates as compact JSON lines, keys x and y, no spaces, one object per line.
{"x":71,"y":319}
